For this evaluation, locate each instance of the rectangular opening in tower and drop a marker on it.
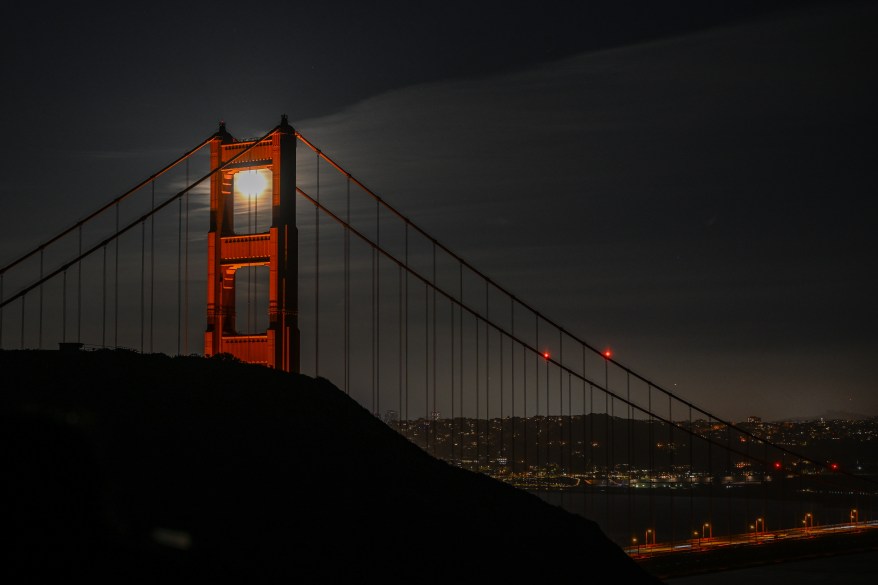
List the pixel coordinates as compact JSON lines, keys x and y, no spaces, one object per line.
{"x":251,"y":300}
{"x":252,"y":201}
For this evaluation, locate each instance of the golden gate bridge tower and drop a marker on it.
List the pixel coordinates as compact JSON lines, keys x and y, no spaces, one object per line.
{"x":229,"y":250}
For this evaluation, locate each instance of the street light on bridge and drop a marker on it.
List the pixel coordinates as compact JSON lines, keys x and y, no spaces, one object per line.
{"x":855,"y":517}
{"x":707,"y":531}
{"x":808,"y":522}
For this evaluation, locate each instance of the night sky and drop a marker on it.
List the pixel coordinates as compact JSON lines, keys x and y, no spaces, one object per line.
{"x":690,"y":185}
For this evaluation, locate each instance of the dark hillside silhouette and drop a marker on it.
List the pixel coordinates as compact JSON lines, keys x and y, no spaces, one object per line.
{"x":145,"y":468}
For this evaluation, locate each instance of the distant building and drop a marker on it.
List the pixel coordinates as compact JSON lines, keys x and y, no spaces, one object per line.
{"x":754,"y":420}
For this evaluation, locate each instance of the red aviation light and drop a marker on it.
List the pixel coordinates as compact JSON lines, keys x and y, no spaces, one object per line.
{"x":607,"y":353}
{"x":546,"y":355}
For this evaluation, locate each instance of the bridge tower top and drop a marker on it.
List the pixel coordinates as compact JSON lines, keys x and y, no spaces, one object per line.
{"x":232,"y":247}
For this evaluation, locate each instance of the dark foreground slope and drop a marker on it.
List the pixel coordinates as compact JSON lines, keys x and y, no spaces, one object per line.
{"x":130,"y":468}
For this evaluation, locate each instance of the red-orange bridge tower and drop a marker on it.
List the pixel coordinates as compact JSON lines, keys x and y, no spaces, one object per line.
{"x":228,"y":249}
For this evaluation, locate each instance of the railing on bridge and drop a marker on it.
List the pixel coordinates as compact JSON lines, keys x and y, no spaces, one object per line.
{"x":437,"y":349}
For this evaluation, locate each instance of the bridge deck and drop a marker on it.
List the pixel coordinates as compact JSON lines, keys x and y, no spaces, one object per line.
{"x":668,"y":562}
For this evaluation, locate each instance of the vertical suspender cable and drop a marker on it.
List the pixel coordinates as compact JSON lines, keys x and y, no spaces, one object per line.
{"x":584,"y":419}
{"x":434,"y":414}
{"x":671,"y":448}
{"x":565,"y":421}
{"x":317,"y":278}
{"x":451,"y":318}
{"x":478,"y":405}
{"x":502,"y":425}
{"x":429,"y":431}
{"x":253,"y":276}
{"x":569,"y":422}
{"x":406,"y":344}
{"x":729,"y":469}
{"x":526,"y":458}
{"x":512,"y":377}
{"x":709,"y":467}
{"x":186,"y":269}
{"x":607,"y":422}
{"x":539,"y":425}
{"x":611,"y":448}
{"x":628,"y":449}
{"x":460,"y":349}
{"x":372,"y":300}
{"x":747,"y":471}
{"x":487,"y":377}
{"x":63,"y":308}
{"x":548,"y":420}
{"x":651,"y":466}
{"x":152,"y":269}
{"x":538,"y":436}
{"x":548,"y":417}
{"x":377,"y":309}
{"x":116,"y":285}
{"x":104,"y":299}
{"x":347,"y":290}
{"x":40,"y":320}
{"x":1,"y":310}
{"x":22,"y":321}
{"x":142,"y":281}
{"x":79,"y":290}
{"x":250,"y":231}
{"x":180,"y":273}
{"x":567,"y":446}
{"x":537,"y":393}
{"x":399,"y":357}
{"x":372,"y":344}
{"x":691,"y":470}
{"x":591,"y":423}
{"x":559,"y":420}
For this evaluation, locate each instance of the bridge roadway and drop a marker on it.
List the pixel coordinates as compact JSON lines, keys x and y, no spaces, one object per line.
{"x":701,"y":555}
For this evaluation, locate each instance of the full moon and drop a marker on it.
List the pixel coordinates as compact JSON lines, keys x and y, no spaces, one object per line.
{"x":250,"y":183}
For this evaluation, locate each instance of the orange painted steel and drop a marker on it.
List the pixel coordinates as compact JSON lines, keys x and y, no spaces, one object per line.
{"x":227,"y":251}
